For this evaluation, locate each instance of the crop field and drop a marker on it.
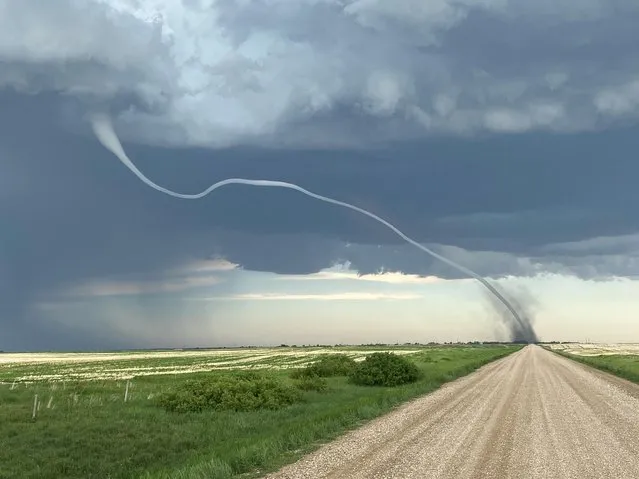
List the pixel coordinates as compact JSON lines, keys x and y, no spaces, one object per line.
{"x":595,"y":349}
{"x":619,"y":359}
{"x":127,"y":415}
{"x":99,"y":366}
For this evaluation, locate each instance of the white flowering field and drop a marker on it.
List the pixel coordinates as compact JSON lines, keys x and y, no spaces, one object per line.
{"x":596,"y":349}
{"x":31,"y":367}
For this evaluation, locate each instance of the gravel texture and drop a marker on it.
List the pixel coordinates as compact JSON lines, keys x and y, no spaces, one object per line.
{"x":532,"y":414}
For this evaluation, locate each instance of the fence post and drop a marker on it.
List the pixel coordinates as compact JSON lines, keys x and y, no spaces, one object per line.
{"x":126,"y":392}
{"x":35,"y":407}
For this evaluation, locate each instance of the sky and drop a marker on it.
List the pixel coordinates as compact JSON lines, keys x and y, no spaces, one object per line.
{"x":503,"y":134}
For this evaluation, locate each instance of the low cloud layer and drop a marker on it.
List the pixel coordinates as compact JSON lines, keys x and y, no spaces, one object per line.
{"x":330,"y":72}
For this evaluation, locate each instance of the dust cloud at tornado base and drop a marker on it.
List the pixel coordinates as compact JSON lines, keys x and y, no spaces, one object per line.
{"x":521,"y":299}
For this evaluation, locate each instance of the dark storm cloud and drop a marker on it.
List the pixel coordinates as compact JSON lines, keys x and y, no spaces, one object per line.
{"x":515,"y":193}
{"x":72,"y":212}
{"x":411,"y":68}
{"x":298,"y":78}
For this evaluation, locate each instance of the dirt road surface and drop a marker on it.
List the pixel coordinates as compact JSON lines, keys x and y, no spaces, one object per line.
{"x":532,"y":414}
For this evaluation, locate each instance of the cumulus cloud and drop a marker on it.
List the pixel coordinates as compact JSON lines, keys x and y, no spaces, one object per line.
{"x":343,"y":271}
{"x":593,"y":259}
{"x":312,"y":72}
{"x":210,"y":265}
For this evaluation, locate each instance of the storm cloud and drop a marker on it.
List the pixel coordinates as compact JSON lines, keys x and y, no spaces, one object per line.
{"x":309,"y":73}
{"x":500,"y":133}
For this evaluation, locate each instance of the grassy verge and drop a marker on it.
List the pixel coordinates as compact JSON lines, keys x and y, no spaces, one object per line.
{"x":86,"y":430}
{"x":623,"y":365}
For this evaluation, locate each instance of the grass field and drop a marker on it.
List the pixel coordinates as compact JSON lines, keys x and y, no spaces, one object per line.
{"x":621,"y":360}
{"x":84,"y":428}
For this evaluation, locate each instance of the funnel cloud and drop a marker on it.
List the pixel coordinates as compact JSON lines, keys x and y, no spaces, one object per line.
{"x":103,"y":129}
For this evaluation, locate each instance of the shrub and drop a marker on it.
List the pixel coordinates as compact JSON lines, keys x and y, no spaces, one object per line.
{"x":329,"y":365}
{"x":314,"y":383}
{"x":385,"y":369}
{"x":238,"y":392}
{"x":305,"y":372}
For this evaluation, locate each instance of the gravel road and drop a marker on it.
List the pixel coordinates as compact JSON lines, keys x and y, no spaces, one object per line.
{"x":532,"y":414}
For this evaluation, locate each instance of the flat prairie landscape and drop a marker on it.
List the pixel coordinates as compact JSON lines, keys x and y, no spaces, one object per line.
{"x":126,"y":365}
{"x":596,"y":349}
{"x":98,"y":415}
{"x":293,"y":413}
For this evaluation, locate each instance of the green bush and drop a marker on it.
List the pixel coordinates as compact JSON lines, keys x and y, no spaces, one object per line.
{"x":385,"y":369}
{"x":237,"y":392}
{"x":314,"y":383}
{"x":329,"y":365}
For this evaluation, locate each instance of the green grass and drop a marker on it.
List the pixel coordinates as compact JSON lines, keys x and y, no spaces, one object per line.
{"x":90,"y":432}
{"x":623,"y":365}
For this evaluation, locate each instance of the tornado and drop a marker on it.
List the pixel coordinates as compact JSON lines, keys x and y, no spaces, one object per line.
{"x":525,"y":304}
{"x":106,"y":135}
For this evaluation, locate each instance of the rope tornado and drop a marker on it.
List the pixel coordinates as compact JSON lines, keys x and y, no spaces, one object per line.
{"x":103,"y":129}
